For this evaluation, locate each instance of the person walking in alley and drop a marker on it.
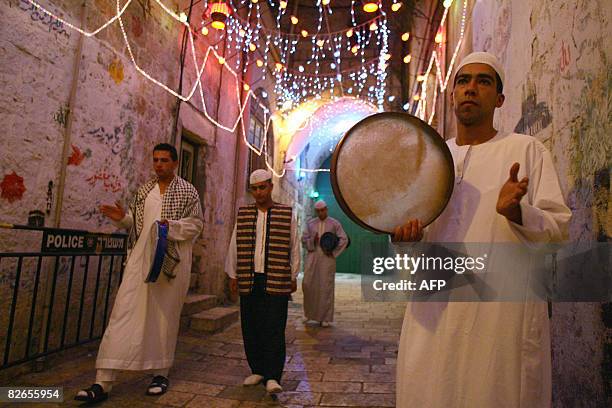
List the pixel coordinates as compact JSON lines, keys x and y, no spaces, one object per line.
{"x":262,"y":264}
{"x":144,"y":323}
{"x":320,"y":269}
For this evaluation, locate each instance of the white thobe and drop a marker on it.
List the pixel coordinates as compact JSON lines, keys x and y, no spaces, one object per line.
{"x":320,"y":270}
{"x":144,"y":324}
{"x":260,"y":248}
{"x":485,"y":355}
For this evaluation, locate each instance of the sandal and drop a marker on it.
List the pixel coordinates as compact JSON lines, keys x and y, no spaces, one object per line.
{"x":158,"y":381}
{"x":95,"y":393}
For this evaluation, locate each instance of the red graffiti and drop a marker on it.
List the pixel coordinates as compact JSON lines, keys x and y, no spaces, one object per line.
{"x":136,"y":26}
{"x":76,"y":157}
{"x":12,"y":187}
{"x":565,"y":58}
{"x":110,"y":182}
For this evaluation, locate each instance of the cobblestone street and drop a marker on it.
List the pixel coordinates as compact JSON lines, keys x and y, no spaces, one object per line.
{"x":350,"y":364}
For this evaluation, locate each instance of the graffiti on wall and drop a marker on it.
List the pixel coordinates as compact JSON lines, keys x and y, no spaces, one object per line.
{"x":53,"y":23}
{"x":12,"y":187}
{"x":77,"y":157}
{"x":565,"y":57}
{"x":535,"y":116}
{"x":111,"y":139}
{"x":61,"y":116}
{"x":115,"y":70}
{"x":111,"y":183}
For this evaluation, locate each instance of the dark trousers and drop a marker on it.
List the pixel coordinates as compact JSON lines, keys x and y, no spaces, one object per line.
{"x":263,"y":319}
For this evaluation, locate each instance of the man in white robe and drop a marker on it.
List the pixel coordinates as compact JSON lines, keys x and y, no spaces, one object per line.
{"x":484,"y":354}
{"x":320,"y":269}
{"x":143,"y":327}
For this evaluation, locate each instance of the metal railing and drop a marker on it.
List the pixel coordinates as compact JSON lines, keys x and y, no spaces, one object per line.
{"x":53,"y":299}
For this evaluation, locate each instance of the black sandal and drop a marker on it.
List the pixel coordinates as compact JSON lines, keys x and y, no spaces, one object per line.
{"x":158,"y":381}
{"x":95,"y":394}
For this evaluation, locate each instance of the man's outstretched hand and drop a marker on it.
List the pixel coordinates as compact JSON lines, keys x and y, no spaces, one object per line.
{"x":114,"y":212}
{"x":412,"y":231}
{"x":510,"y":195}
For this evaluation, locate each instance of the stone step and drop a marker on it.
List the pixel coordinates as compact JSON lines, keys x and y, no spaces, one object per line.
{"x":196,"y":303}
{"x":214,"y":320}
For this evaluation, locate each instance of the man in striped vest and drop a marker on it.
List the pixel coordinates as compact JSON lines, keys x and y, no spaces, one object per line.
{"x":262,"y":263}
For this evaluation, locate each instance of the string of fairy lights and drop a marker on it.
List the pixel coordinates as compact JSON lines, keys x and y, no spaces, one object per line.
{"x":323,"y":72}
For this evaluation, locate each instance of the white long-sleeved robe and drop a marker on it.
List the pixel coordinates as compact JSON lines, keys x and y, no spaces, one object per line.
{"x":144,"y":323}
{"x":320,"y":270}
{"x":479,"y":354}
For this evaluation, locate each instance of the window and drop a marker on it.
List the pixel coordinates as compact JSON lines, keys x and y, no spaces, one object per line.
{"x":255,"y":136}
{"x":187,"y":160}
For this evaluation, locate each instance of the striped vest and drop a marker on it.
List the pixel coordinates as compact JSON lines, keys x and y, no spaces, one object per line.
{"x":277,"y":249}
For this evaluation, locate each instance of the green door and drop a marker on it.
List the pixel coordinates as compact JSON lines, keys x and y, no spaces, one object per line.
{"x":362,"y":240}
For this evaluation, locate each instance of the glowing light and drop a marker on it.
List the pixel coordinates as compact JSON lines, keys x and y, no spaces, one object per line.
{"x":279,"y":66}
{"x":387,"y":57}
{"x":265,"y":95}
{"x":370,"y":7}
{"x":254,"y":1}
{"x":252,"y":47}
{"x":354,"y":49}
{"x":420,"y":78}
{"x":320,"y":43}
{"x":283,"y":5}
{"x":349,"y":33}
{"x":407,"y":59}
{"x":301,"y":68}
{"x":391,"y":98}
{"x":221,"y":60}
{"x":416,"y":97}
{"x":396,"y":6}
{"x":246,"y":87}
{"x":373,"y":26}
{"x":204,"y":31}
{"x":405,"y":36}
{"x":219,"y":12}
{"x":287,"y":105}
{"x":325,"y":2}
{"x":332,"y":65}
{"x":447,"y":3}
{"x":259,"y":63}
{"x":294,"y":20}
{"x":406,"y":106}
{"x":438,"y":38}
{"x":241,"y":32}
{"x":183,"y":17}
{"x":304,"y":33}
{"x":219,"y":25}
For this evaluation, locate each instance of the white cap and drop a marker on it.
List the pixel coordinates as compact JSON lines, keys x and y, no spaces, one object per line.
{"x":260,"y":175}
{"x":482,"y":58}
{"x":320,"y":204}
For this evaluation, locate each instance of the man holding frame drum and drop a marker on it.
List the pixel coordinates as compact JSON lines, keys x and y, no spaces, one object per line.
{"x":484,"y":354}
{"x":143,"y":326}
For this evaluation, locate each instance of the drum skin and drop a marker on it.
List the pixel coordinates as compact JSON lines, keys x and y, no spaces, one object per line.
{"x":389,"y":168}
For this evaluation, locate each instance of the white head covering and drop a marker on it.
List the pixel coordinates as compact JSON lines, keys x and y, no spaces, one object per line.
{"x":320,"y":204}
{"x":482,"y":58}
{"x":260,"y":175}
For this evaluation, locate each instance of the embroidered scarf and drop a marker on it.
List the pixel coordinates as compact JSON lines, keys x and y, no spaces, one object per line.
{"x":181,"y":200}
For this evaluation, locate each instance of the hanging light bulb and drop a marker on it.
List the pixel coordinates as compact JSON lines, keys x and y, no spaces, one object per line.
{"x":420,"y":78}
{"x":304,"y":33}
{"x":391,"y":98}
{"x":204,"y":31}
{"x":294,"y":20}
{"x":407,"y":59}
{"x":183,"y":17}
{"x":354,"y":49}
{"x":387,"y":57}
{"x":283,"y":4}
{"x":370,"y":6}
{"x":221,"y":60}
{"x":320,"y":43}
{"x":349,"y":33}
{"x":241,"y":32}
{"x":373,"y":26}
{"x":405,"y":36}
{"x":396,"y":6}
{"x":301,"y":68}
{"x":252,"y":47}
{"x":259,"y":63}
{"x":325,"y":2}
{"x":438,"y":38}
{"x":406,"y":106}
{"x":265,"y":95}
{"x":254,"y":1}
{"x":447,"y":3}
{"x":219,"y":11}
{"x":416,"y":97}
{"x":246,"y":87}
{"x":332,"y":65}
{"x":279,"y":66}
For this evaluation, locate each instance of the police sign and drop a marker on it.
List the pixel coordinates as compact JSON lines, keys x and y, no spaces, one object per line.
{"x":59,"y":240}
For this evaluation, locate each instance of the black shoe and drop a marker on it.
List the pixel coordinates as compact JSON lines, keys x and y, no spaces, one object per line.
{"x":95,"y":393}
{"x":159,"y":381}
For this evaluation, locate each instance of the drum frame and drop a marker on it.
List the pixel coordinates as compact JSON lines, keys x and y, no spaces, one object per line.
{"x":431,"y":132}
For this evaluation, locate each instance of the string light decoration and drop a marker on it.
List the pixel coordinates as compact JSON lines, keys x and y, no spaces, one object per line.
{"x":292,"y":86}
